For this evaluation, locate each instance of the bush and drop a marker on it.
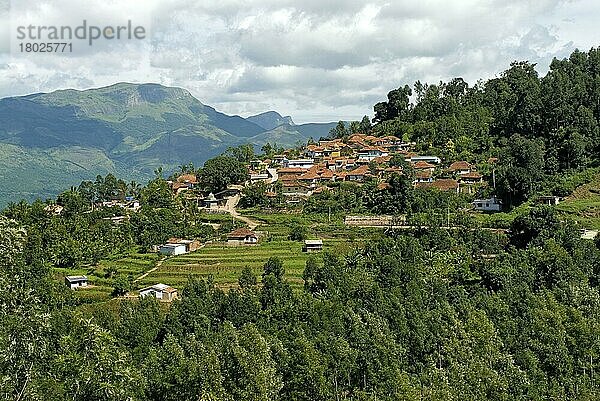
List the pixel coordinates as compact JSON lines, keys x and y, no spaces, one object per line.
{"x":122,"y":285}
{"x":298,"y":232}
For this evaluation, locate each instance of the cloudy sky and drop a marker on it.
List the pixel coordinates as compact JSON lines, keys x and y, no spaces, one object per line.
{"x":312,"y":59}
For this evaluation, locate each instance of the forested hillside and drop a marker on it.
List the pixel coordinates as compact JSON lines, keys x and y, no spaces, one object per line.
{"x":540,"y":128}
{"x":428,"y":314}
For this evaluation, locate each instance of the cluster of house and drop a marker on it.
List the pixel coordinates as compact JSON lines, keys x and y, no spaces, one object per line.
{"x":183,"y":182}
{"x":211,"y":202}
{"x":129,"y":203}
{"x":359,"y":158}
{"x":159,"y":291}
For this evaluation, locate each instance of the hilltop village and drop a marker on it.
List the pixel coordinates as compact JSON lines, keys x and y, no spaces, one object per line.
{"x":294,"y":175}
{"x":360,"y":158}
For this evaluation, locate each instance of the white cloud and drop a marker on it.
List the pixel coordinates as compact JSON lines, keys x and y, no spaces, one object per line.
{"x":310,"y":59}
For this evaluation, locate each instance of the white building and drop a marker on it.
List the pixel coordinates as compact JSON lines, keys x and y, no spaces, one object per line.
{"x":428,"y":159}
{"x":162,"y":292}
{"x":172,"y":249}
{"x":548,"y":200}
{"x":74,"y":282}
{"x":298,"y":163}
{"x":211,"y":202}
{"x":492,"y":204}
{"x":313,"y":245}
{"x":370,"y":153}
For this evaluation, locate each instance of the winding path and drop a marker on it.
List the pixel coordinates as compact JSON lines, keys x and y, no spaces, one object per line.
{"x":156,"y":266}
{"x":230,"y":208}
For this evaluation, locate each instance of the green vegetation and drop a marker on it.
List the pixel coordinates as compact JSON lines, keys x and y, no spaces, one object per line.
{"x":583,"y":205}
{"x":540,"y":129}
{"x":416,"y":314}
{"x":104,"y":275}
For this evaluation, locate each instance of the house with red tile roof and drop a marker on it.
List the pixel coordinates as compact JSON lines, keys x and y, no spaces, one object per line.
{"x":460,"y":167}
{"x":423,"y":166}
{"x":242,"y":236}
{"x":470,"y":178}
{"x":446,"y":184}
{"x":358,"y":174}
{"x":383,"y":185}
{"x":422,"y":176}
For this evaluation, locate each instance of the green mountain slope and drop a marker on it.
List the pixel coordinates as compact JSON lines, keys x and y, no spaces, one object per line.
{"x":50,"y":141}
{"x":270,"y":120}
{"x":27,"y":173}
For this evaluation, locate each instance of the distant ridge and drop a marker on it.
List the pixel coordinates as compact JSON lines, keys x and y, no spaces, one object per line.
{"x":270,"y":120}
{"x":51,"y":141}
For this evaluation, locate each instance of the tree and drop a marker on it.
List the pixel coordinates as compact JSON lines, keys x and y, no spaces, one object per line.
{"x":92,"y":366}
{"x":539,"y":224}
{"x":72,"y":201}
{"x":298,"y":232}
{"x":457,"y":87}
{"x":23,"y":318}
{"x":397,"y":106}
{"x":242,"y":153}
{"x":520,"y":169}
{"x":157,"y":194}
{"x":254,"y":195}
{"x":397,"y":198}
{"x":398,"y":160}
{"x":247,"y":278}
{"x":274,"y":267}
{"x":365,"y":125}
{"x":250,"y":373}
{"x":339,"y":131}
{"x":222,"y":171}
{"x":354,"y":128}
{"x":267,"y":150}
{"x":515,"y":99}
{"x":121,"y":285}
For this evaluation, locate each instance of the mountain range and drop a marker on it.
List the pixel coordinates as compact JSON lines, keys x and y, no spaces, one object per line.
{"x":51,"y":141}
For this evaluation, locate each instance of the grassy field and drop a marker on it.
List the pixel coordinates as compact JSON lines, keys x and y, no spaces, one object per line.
{"x":583,"y":205}
{"x":318,"y":225}
{"x":101,"y":285}
{"x":225,"y":263}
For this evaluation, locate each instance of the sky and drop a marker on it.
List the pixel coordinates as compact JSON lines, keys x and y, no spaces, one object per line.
{"x":315,"y":60}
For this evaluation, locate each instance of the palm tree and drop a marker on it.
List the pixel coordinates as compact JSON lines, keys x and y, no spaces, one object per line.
{"x":134,"y":189}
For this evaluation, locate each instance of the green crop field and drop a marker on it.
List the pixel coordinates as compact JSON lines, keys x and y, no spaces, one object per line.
{"x":100,"y":281}
{"x":583,"y":205}
{"x":225,"y":263}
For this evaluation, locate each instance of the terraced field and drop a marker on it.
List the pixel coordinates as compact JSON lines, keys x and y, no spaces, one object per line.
{"x":100,"y":283}
{"x":225,"y":263}
{"x":583,"y":205}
